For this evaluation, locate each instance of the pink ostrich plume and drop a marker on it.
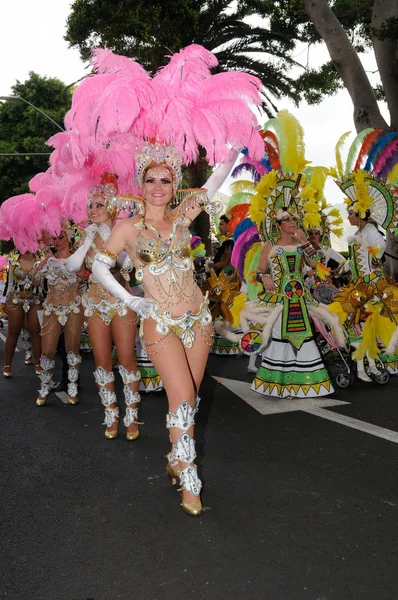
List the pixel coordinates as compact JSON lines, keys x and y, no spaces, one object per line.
{"x":6,"y":209}
{"x":49,"y":206}
{"x":26,"y":224}
{"x":183,"y":105}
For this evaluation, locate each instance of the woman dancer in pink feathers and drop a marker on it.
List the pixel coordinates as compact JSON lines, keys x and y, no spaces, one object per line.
{"x":114,"y":114}
{"x":108,"y":319}
{"x":22,"y":297}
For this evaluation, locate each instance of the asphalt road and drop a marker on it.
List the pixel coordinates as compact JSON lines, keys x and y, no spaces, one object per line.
{"x":297,"y":506}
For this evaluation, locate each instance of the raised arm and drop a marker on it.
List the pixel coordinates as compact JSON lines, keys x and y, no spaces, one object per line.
{"x":195,"y":203}
{"x":75,"y":261}
{"x":106,"y":259}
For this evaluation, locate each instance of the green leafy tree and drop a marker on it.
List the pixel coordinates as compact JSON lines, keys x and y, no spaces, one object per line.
{"x":348,"y":28}
{"x":24,"y":130}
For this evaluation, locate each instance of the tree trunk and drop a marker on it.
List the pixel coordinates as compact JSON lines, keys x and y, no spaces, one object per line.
{"x":347,"y":63}
{"x":197,"y":173}
{"x":386,"y":53}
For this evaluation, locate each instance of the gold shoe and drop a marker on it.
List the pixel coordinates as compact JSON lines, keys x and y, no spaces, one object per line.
{"x":111,"y":435}
{"x":73,"y":400}
{"x":28,"y":361}
{"x":37,"y":369}
{"x":172,"y":475}
{"x":132,"y":435}
{"x":7,"y":371}
{"x":41,"y":401}
{"x":192,"y":508}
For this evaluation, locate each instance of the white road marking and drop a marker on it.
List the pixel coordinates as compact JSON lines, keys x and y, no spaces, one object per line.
{"x":267,"y":405}
{"x":386,"y":434}
{"x":63,"y":396}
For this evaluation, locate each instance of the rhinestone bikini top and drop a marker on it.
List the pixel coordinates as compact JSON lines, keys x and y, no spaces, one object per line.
{"x":156,"y":249}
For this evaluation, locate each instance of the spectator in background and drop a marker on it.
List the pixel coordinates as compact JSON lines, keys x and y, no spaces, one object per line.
{"x":222,"y":257}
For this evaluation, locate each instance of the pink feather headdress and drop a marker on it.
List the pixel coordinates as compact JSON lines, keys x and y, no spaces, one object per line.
{"x":118,"y":109}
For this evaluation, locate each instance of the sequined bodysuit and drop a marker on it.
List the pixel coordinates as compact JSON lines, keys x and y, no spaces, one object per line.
{"x":64,"y":289}
{"x":20,"y":289}
{"x":166,"y":271}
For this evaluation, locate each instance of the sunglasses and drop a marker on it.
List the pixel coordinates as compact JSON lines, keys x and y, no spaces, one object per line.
{"x":287,"y":220}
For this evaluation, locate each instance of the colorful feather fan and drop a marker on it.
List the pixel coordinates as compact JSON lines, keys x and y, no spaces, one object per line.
{"x":355,"y":146}
{"x":378,"y":149}
{"x":366,"y":146}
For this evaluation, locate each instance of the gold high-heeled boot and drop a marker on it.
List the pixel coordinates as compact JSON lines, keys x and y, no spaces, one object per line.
{"x":130,"y":398}
{"x":184,"y":451}
{"x":27,"y":346}
{"x":73,"y":375}
{"x":108,"y":397}
{"x":45,"y":377}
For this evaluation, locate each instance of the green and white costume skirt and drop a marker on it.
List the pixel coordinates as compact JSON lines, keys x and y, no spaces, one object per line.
{"x":287,"y":371}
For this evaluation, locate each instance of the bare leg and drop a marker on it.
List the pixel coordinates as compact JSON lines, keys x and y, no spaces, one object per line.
{"x":181,"y":370}
{"x":33,"y":326}
{"x":15,"y":322}
{"x":50,"y":333}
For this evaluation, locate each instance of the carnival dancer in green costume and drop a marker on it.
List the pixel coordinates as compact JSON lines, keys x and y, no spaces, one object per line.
{"x":291,"y":364}
{"x":270,"y":253}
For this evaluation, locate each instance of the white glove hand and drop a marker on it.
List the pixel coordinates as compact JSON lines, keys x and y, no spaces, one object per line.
{"x":142,"y":306}
{"x":91,"y":232}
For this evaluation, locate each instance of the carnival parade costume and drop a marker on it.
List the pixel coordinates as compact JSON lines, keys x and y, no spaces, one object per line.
{"x":291,"y":362}
{"x":62,"y":311}
{"x":122,"y":109}
{"x":22,"y":296}
{"x":21,"y":293}
{"x":172,"y":299}
{"x":368,"y":305}
{"x":98,"y":303}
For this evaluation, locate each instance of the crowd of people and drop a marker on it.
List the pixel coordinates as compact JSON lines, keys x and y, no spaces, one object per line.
{"x":112,"y":250}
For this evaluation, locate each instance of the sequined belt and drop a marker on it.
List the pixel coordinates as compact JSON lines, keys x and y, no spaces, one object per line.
{"x":182,"y":326}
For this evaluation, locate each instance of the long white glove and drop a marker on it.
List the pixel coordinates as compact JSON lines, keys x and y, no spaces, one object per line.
{"x":219,"y":175}
{"x":101,"y":270}
{"x":75,"y":261}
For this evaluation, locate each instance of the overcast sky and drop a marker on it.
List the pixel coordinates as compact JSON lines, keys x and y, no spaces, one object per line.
{"x":31,"y":39}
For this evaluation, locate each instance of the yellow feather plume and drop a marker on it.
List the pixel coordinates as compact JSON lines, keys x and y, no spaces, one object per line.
{"x":322,"y":271}
{"x":393,"y":175}
{"x":242,"y":186}
{"x":337,"y":309}
{"x":267,"y":183}
{"x":338,"y":231}
{"x":237,"y":308}
{"x":339,"y":146}
{"x":291,"y":141}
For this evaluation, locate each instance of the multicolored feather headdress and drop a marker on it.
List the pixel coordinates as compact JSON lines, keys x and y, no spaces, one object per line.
{"x":368,"y":188}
